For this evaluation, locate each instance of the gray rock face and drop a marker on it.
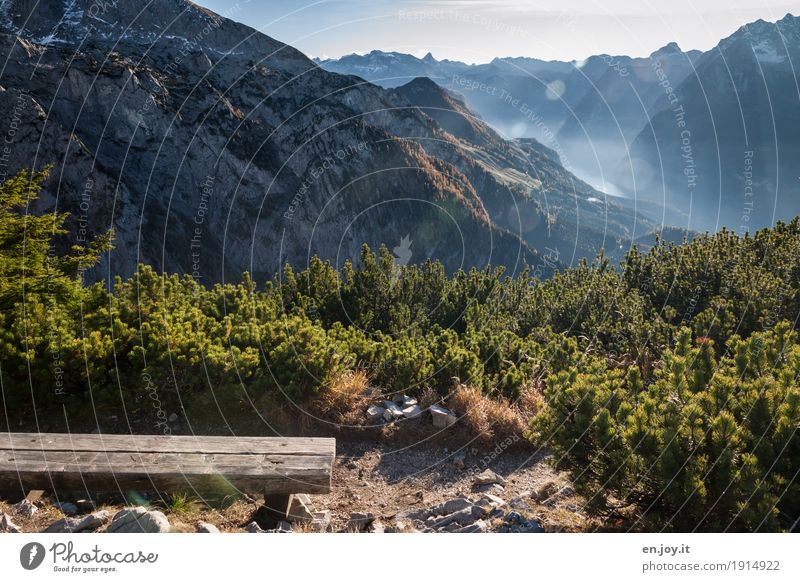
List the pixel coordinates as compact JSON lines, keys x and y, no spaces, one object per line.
{"x":139,"y":520}
{"x":204,"y":527}
{"x":236,"y":145}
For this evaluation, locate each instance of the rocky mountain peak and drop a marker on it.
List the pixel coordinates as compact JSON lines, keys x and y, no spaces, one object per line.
{"x":159,"y":27}
{"x":667,"y":50}
{"x":765,"y":37}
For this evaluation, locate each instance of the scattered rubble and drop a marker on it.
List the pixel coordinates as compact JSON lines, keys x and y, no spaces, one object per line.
{"x":467,"y":515}
{"x":405,"y":407}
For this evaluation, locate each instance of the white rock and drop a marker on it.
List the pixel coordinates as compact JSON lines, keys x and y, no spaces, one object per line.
{"x":300,"y":510}
{"x":93,"y":521}
{"x":520,"y":503}
{"x":442,"y":418}
{"x":375,"y":413}
{"x":253,"y":527}
{"x":493,"y":501}
{"x":457,"y":504}
{"x":321,"y":521}
{"x":479,"y":526}
{"x":76,"y":525}
{"x":463,"y":517}
{"x":389,"y":405}
{"x":25,"y":508}
{"x":204,"y":527}
{"x":492,"y":489}
{"x":407,"y":401}
{"x":488,"y":477}
{"x":139,"y":520}
{"x":8,"y":526}
{"x":413,"y":411}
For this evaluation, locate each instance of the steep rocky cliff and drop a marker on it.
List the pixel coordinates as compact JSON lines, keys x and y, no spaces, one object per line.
{"x":214,"y":149}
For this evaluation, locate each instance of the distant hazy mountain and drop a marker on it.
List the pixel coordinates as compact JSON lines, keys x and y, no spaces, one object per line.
{"x":587,"y":111}
{"x":391,"y":69}
{"x":613,"y":111}
{"x":213,"y":149}
{"x":552,"y":209}
{"x":697,"y":140}
{"x":727,"y":146}
{"x":495,"y":90}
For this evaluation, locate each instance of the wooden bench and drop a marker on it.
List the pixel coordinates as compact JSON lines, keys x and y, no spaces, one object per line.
{"x":197,"y":465}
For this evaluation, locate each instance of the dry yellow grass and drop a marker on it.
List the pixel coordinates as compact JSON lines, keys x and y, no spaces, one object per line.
{"x":344,"y":399}
{"x":493,"y":417}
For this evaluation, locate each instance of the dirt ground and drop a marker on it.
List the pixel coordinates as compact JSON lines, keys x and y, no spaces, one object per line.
{"x":388,"y":479}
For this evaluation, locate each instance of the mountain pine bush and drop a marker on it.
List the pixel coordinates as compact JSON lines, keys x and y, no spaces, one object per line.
{"x":671,"y":381}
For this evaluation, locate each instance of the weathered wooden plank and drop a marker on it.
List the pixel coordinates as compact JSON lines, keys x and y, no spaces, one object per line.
{"x":120,"y":463}
{"x":215,"y":484}
{"x":61,"y":460}
{"x":165,"y":443}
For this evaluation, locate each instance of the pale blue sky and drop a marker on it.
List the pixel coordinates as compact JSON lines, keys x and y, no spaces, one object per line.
{"x":479,"y":30}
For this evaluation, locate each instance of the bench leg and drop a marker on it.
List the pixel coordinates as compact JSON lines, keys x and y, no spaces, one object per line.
{"x":275,"y":509}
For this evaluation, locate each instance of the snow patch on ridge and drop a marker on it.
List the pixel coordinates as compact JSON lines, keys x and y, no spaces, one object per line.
{"x":766,"y":53}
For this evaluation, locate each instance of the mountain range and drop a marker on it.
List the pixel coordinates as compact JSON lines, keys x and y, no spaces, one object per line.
{"x":212,"y":148}
{"x":700,"y":140}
